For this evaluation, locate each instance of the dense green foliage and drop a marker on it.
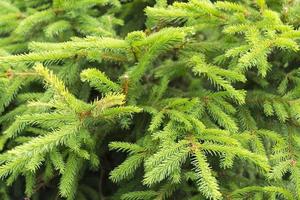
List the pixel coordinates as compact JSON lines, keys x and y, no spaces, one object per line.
{"x":142,"y":99}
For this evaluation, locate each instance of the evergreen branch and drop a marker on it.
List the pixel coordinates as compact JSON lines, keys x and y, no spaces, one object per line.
{"x":207,"y":183}
{"x":214,"y":75}
{"x":99,"y":80}
{"x":268,"y":189}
